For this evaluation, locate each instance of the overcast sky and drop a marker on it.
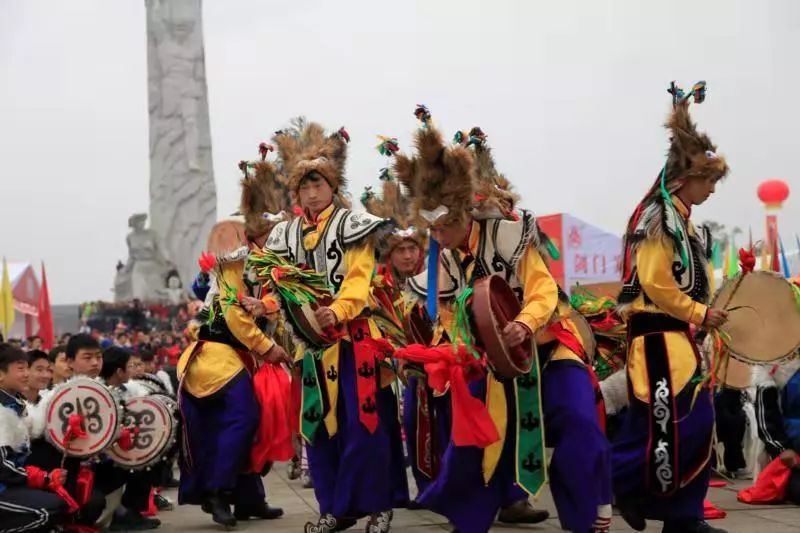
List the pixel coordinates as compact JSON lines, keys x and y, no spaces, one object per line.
{"x":571,"y":93}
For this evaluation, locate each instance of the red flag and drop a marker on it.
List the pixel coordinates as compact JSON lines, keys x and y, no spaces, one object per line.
{"x":45,"y":315}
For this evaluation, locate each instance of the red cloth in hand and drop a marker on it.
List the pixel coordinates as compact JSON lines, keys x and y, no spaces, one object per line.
{"x":36,"y":477}
{"x":770,"y":487}
{"x":274,"y":436}
{"x":472,"y":424}
{"x":84,"y":485}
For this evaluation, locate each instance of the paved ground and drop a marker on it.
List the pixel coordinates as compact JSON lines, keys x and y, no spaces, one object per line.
{"x":300,"y":506}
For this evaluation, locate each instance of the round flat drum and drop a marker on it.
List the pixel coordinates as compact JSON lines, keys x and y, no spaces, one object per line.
{"x":153,"y":426}
{"x":82,"y":417}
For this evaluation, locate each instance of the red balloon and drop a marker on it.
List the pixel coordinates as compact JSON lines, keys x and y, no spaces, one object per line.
{"x":773,"y":192}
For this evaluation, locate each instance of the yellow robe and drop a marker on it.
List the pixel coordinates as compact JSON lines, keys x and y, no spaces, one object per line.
{"x":217,"y":363}
{"x":654,"y":260}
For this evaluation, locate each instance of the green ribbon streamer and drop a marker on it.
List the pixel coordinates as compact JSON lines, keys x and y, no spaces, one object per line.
{"x":531,"y":464}
{"x":461,"y":327}
{"x":311,"y":410}
{"x":669,"y":205}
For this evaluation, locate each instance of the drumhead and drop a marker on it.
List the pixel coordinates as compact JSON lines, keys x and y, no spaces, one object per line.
{"x":587,"y":335}
{"x":154,"y":427}
{"x":99,"y":417}
{"x":764,"y":321}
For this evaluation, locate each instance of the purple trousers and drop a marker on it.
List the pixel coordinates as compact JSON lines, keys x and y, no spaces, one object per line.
{"x":439,"y":408}
{"x":580,"y":468}
{"x":355,"y":472}
{"x":219,"y":431}
{"x":629,"y":458}
{"x":459,"y":492}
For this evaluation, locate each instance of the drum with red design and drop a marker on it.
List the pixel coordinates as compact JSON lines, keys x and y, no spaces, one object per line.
{"x":305,"y":325}
{"x":151,"y":427}
{"x":494,"y":305}
{"x":82,"y":417}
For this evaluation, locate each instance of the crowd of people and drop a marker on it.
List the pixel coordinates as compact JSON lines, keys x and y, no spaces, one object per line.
{"x":327,"y":340}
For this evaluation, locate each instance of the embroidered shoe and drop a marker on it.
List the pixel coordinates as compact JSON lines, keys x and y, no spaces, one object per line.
{"x":329,"y":524}
{"x":306,"y":477}
{"x":379,"y":522}
{"x":293,"y":470}
{"x":691,"y":526}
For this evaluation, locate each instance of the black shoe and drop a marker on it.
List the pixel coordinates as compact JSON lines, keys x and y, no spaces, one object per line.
{"x":133,"y":521}
{"x":162,"y":504}
{"x":631,"y":512}
{"x":414,"y":505}
{"x":261,"y":511}
{"x":522,"y":512}
{"x":219,"y":510}
{"x":692,"y":526}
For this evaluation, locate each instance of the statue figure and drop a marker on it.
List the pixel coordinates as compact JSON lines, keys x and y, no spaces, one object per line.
{"x":183,"y":203}
{"x":146,"y":267}
{"x":122,"y":284}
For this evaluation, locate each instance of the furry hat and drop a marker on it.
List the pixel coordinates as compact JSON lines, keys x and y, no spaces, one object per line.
{"x":493,"y":195}
{"x":265,"y":198}
{"x":304,"y":148}
{"x":439,"y":178}
{"x":395,"y":205}
{"x":691,"y":154}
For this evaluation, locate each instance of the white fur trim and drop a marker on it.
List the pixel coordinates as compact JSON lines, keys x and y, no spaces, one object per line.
{"x":434,"y":215}
{"x":135,"y":389}
{"x":615,"y":391}
{"x":13,"y":430}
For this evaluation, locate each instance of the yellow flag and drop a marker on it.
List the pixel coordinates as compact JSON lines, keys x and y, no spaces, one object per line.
{"x":6,"y":302}
{"x":764,"y":258}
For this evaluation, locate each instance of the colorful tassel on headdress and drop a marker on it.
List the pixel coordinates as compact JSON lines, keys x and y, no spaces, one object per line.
{"x":459,"y":137}
{"x":747,"y":260}
{"x":367,"y":195}
{"x":423,"y":114}
{"x":243,"y":167}
{"x":264,"y":149}
{"x":388,"y":145}
{"x":386,"y":175}
{"x":344,"y":135}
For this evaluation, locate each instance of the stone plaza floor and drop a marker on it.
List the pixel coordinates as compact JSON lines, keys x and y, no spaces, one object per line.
{"x":300,"y":506}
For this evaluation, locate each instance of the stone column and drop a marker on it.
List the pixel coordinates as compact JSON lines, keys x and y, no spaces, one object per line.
{"x":183,"y":198}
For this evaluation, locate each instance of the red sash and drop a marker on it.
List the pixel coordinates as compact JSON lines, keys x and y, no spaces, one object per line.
{"x":367,"y":374}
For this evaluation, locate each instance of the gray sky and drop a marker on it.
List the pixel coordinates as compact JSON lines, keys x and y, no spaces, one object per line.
{"x":571,"y":93}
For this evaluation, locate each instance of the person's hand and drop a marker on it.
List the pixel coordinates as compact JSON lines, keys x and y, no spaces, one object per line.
{"x":514,"y":334}
{"x":254,"y":306}
{"x":277,"y":355}
{"x":789,"y":458}
{"x":58,"y":477}
{"x":326,"y":318}
{"x":715,"y":317}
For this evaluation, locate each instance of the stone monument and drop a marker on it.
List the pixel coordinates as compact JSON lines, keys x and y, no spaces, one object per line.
{"x":144,"y":275}
{"x":183,"y":199}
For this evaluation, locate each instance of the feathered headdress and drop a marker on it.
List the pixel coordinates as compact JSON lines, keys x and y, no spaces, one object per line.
{"x":392,"y":204}
{"x":439,"y":177}
{"x":265,"y":198}
{"x":493,"y":195}
{"x":305,"y":148}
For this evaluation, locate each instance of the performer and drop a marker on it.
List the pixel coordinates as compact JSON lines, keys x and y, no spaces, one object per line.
{"x":400,"y":256}
{"x":27,"y":498}
{"x":347,"y":416}
{"x":778,"y":416}
{"x":661,"y":456}
{"x":217,"y":399}
{"x":471,"y":217}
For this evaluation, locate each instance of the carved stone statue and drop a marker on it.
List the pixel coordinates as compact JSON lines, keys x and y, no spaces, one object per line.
{"x":183,"y":202}
{"x":144,"y":275}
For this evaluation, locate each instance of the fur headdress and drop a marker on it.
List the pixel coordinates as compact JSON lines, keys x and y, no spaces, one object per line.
{"x":691,"y":155}
{"x":305,"y":147}
{"x":265,"y":198}
{"x":392,"y":204}
{"x":439,"y":177}
{"x":493,"y":195}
